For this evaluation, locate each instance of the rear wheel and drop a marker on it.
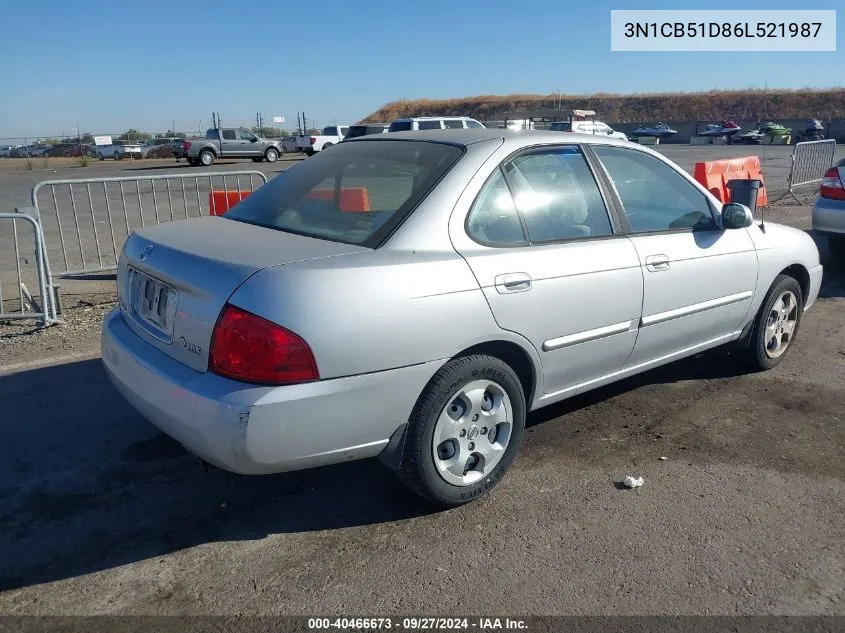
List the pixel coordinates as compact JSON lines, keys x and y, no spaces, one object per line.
{"x":100,"y":156}
{"x":836,"y":244}
{"x":464,"y":431}
{"x":117,"y":155}
{"x":272,"y":155}
{"x":206,"y":157}
{"x":777,"y":324}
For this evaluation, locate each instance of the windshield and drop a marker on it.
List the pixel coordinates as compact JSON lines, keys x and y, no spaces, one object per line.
{"x":357,"y":193}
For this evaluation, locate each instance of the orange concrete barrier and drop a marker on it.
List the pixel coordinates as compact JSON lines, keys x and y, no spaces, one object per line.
{"x":221,"y":201}
{"x":715,"y":175}
{"x":352,"y":199}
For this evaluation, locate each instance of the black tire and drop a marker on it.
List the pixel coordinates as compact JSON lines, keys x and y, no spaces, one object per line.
{"x":836,"y":244}
{"x":757,"y":355}
{"x":417,"y":467}
{"x":257,"y":159}
{"x":117,"y":156}
{"x":192,"y":162}
{"x":327,"y":145}
{"x":309,"y":152}
{"x":101,"y":157}
{"x":271,"y":155}
{"x":206,"y":158}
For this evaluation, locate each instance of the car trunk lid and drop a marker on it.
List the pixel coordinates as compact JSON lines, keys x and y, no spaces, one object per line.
{"x":174,"y":278}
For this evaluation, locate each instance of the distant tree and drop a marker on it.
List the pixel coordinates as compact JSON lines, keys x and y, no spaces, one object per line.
{"x":134,"y":135}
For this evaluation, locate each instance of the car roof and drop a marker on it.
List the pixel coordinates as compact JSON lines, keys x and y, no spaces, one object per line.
{"x":477,"y":135}
{"x":435,"y":118}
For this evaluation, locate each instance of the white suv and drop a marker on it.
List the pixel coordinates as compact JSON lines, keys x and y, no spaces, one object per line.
{"x":587,"y":127}
{"x":433,"y":123}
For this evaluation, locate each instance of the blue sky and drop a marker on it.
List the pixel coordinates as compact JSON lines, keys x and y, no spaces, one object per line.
{"x":112,"y":64}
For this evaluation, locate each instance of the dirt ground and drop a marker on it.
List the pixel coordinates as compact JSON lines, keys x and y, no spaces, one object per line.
{"x":100,"y":514}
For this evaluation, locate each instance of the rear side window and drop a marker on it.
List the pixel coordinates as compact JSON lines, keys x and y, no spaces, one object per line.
{"x":428,"y":125}
{"x":493,"y":219}
{"x":557,"y":195}
{"x":454,"y":124}
{"x":475,"y":124}
{"x":344,"y":131}
{"x":401,"y":126}
{"x":229,"y":135}
{"x":356,"y":193}
{"x":330,"y":131}
{"x":375,"y":129}
{"x":655,"y":197}
{"x":356,"y":130}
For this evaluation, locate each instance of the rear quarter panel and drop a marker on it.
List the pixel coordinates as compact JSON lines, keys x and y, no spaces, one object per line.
{"x":374,"y":311}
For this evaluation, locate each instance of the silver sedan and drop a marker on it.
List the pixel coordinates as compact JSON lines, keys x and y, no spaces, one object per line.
{"x":413,"y":296}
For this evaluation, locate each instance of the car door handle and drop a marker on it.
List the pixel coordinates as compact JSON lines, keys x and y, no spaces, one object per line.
{"x":656,"y":263}
{"x":513,"y":282}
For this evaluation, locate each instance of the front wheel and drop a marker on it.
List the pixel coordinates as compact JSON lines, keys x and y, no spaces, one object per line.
{"x":777,"y":324}
{"x":272,"y":155}
{"x":464,"y":431}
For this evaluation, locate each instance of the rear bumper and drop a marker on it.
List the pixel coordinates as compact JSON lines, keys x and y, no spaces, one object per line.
{"x":258,"y":430}
{"x":829,"y":216}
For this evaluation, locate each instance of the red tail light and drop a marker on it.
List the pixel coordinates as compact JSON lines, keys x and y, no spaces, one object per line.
{"x":187,"y":145}
{"x":251,"y":349}
{"x":832,"y":185}
{"x":313,"y":140}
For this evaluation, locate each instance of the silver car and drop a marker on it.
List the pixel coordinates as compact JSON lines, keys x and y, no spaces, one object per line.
{"x":829,"y":209}
{"x":413,"y":296}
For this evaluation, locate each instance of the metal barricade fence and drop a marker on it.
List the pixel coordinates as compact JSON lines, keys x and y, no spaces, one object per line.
{"x":32,"y":269}
{"x":84,"y":222}
{"x":810,"y":159}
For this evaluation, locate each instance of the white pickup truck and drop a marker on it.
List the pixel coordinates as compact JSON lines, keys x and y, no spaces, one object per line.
{"x":332,"y":135}
{"x":118,"y":150}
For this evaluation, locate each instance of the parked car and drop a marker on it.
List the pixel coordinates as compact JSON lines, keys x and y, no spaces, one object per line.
{"x":412,"y":296}
{"x":68,"y":150}
{"x":157,"y":148}
{"x":331,"y":135}
{"x":6,"y":151}
{"x":587,"y":127}
{"x":364,"y":129}
{"x":829,"y":209}
{"x":230,"y":143}
{"x":434,"y":123}
{"x":119,"y":150}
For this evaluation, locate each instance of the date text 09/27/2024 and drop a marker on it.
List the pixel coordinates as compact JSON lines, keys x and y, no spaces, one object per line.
{"x":417,"y":624}
{"x":722,"y":29}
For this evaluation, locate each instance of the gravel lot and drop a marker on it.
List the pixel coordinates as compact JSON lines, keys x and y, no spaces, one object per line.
{"x":100,"y":514}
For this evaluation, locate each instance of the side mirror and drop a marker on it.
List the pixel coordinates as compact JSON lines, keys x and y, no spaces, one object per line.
{"x":736,"y":216}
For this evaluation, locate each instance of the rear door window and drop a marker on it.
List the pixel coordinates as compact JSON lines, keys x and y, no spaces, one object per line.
{"x":356,"y":193}
{"x":556,"y":193}
{"x":229,"y":135}
{"x":429,"y":125}
{"x":330,"y":131}
{"x":454,"y":124}
{"x":344,"y":131}
{"x":401,"y":126}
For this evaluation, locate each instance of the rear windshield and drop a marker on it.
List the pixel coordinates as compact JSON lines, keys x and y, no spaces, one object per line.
{"x":357,"y":193}
{"x":400,"y":126}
